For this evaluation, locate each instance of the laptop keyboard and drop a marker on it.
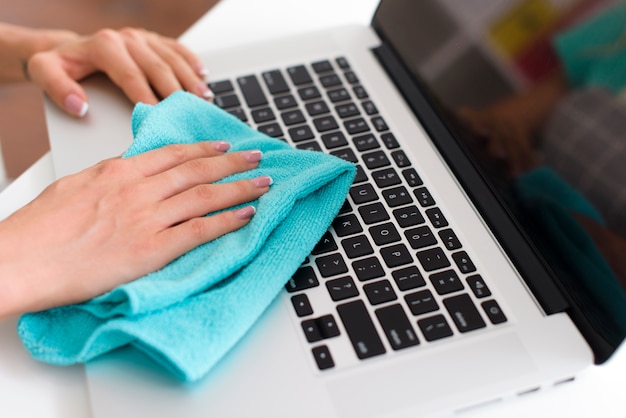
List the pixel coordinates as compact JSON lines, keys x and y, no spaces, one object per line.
{"x":393,"y":274}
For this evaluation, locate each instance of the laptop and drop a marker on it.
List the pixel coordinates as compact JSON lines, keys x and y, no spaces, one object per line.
{"x":435,"y":290}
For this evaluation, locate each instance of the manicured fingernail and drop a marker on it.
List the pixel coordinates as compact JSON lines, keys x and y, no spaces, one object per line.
{"x":75,"y":105}
{"x":221,"y":146}
{"x":201,"y":70}
{"x":205,"y":92}
{"x":252,"y":156}
{"x":263,"y":181}
{"x":246,"y":212}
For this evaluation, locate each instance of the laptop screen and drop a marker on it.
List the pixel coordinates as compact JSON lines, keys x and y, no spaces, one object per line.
{"x":534,"y":91}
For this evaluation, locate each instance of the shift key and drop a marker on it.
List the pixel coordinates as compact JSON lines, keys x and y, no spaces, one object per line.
{"x":360,"y":328}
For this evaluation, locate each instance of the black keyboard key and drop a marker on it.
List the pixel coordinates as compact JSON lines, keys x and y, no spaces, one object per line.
{"x":360,"y":176}
{"x":330,"y":80}
{"x":463,"y":262}
{"x":363,"y":193}
{"x":420,"y":237}
{"x":421,"y":302}
{"x":365,"y":142}
{"x":373,"y":213}
{"x":379,"y":292}
{"x":301,"y":133}
{"x":325,"y":124}
{"x":345,"y":208}
{"x":299,"y":75}
{"x":322,"y":357}
{"x":446,"y":282}
{"x":408,"y":216}
{"x":338,"y":95}
{"x":356,"y":126}
{"x":397,"y":196}
{"x":345,"y":154}
{"x":370,"y":108}
{"x":327,"y":326}
{"x":400,"y":159}
{"x":389,"y":140}
{"x":292,"y":117}
{"x":310,"y":146}
{"x":386,"y":178}
{"x":262,"y":115}
{"x":334,"y":140}
{"x":397,"y":327}
{"x":360,"y":328}
{"x":308,"y":93}
{"x":311,"y":330}
{"x":317,"y":108}
{"x":449,"y":239}
{"x":412,"y":178}
{"x":396,"y":255}
{"x":342,"y":288}
{"x":493,"y":311}
{"x":360,"y":92}
{"x":376,"y":159}
{"x":239,"y":113}
{"x":285,"y":102}
{"x":478,"y":286}
{"x":436,"y":217}
{"x":351,"y":77}
{"x":368,"y":269}
{"x":379,"y":124}
{"x":322,"y":66}
{"x":301,"y":305}
{"x":325,"y":245}
{"x":272,"y":129}
{"x":343,"y":63}
{"x":433,"y":259}
{"x":434,"y":328}
{"x":303,"y":278}
{"x":357,"y":246}
{"x":347,"y":110}
{"x":347,"y":225}
{"x":252,"y":91}
{"x":227,"y":101}
{"x":221,"y":87}
{"x":275,"y":82}
{"x":408,"y":278}
{"x":331,"y":265}
{"x":424,"y":197}
{"x":463,"y":312}
{"x":384,"y":234}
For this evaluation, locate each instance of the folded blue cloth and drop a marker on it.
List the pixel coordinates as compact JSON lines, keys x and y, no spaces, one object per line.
{"x":187,"y":315}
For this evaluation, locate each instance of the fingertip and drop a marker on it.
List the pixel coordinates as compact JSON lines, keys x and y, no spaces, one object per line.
{"x":245,"y":213}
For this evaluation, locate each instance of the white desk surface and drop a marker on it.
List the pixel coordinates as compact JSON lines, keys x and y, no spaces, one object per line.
{"x":31,"y":389}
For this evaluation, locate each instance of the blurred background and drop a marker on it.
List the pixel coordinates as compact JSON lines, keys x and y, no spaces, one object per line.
{"x":23,"y":133}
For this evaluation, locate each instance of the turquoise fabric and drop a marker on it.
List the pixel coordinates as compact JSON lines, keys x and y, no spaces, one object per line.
{"x":594,"y":52}
{"x":187,"y":315}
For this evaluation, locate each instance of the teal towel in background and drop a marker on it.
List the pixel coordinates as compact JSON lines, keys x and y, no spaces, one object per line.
{"x":187,"y":315}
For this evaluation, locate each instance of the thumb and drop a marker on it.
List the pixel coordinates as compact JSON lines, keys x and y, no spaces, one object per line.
{"x":47,"y":72}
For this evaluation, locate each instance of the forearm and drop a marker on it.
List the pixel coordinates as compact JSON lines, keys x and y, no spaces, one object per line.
{"x":18,"y":44}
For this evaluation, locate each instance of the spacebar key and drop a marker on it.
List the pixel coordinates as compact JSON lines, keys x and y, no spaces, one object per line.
{"x":360,"y":329}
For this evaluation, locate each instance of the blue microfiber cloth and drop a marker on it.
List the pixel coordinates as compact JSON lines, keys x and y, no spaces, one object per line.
{"x":187,"y":315}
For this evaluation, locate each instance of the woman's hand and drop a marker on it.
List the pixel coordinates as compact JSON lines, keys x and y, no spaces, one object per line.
{"x":119,"y":220}
{"x":145,"y":65}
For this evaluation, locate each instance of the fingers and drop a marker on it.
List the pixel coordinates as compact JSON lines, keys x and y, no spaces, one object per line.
{"x":209,"y":198}
{"x":47,"y":70}
{"x":202,"y":171}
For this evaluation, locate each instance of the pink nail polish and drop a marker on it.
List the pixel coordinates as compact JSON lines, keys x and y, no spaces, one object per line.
{"x":263,"y":181}
{"x":75,"y":105}
{"x":245,"y":212}
{"x":221,"y":146}
{"x":252,"y":156}
{"x":205,"y":92}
